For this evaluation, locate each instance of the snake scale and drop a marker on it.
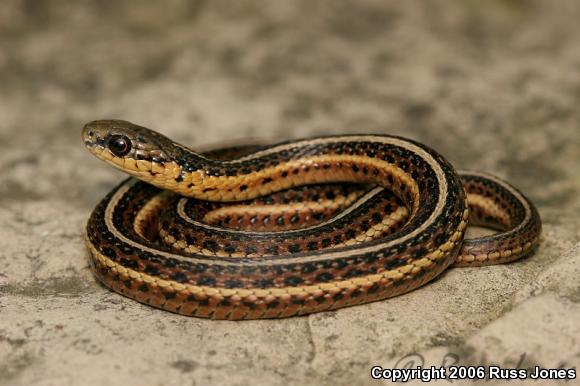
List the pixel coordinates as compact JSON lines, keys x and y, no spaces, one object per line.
{"x":291,"y":229}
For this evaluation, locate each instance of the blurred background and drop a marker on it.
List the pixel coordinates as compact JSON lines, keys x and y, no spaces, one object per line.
{"x":492,"y":85}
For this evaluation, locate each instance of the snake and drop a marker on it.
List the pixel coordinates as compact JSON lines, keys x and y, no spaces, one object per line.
{"x":303,"y":226}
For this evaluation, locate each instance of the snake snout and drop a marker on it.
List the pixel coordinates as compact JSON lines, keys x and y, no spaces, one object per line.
{"x":91,"y":136}
{"x":95,"y":133}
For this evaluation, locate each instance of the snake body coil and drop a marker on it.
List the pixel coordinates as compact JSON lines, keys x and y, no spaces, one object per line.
{"x":290,"y":250}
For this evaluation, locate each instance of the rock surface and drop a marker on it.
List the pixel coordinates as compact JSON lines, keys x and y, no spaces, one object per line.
{"x":492,"y":85}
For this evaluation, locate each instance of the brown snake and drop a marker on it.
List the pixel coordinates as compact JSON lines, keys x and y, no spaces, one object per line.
{"x":277,"y":232}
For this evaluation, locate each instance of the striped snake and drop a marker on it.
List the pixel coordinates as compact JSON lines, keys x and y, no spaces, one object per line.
{"x":299,"y":227}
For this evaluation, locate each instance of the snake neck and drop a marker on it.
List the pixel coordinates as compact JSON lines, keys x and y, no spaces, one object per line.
{"x":219,"y":181}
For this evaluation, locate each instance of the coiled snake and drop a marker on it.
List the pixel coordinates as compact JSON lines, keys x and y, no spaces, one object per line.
{"x":276,"y":232}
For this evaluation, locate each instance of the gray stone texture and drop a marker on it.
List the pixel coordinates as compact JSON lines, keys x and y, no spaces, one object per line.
{"x":493,"y":85}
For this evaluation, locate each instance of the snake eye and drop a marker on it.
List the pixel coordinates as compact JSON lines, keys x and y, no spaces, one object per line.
{"x":119,"y":145}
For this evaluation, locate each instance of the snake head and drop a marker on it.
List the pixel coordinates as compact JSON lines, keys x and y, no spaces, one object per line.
{"x":129,"y":147}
